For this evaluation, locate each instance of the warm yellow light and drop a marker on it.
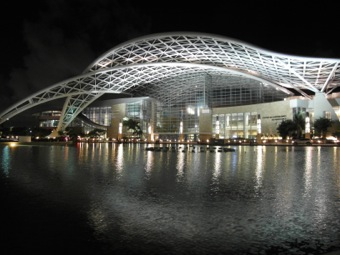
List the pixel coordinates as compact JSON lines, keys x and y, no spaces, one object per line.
{"x":12,"y":144}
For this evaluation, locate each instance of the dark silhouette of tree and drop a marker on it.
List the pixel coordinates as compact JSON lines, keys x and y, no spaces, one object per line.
{"x":134,"y":126}
{"x":293,"y":127}
{"x":286,"y":128}
{"x":20,"y":131}
{"x":321,"y":126}
{"x":299,"y":122}
{"x":40,"y":132}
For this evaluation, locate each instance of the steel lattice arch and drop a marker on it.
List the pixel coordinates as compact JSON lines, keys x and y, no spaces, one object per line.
{"x":164,"y":66}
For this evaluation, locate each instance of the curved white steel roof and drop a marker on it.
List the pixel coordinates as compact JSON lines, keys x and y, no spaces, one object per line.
{"x":147,"y":65}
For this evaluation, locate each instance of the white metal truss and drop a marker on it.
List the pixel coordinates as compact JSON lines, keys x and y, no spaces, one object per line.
{"x":164,"y":65}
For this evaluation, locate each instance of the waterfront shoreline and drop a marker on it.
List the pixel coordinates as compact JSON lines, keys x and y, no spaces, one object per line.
{"x":68,"y":143}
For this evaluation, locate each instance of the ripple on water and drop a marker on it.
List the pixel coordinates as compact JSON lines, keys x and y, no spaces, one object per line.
{"x":259,"y":201}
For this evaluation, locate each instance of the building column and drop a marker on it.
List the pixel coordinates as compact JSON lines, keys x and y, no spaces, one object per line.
{"x":150,"y":137}
{"x":217,"y":128}
{"x":307,"y":126}
{"x":205,"y":125}
{"x":181,"y":135}
{"x":259,"y":129}
{"x":227,"y":126}
{"x":120,"y":131}
{"x":245,"y":125}
{"x":119,"y":113}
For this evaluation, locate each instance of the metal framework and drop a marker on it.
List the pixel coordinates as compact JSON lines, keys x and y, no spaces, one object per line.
{"x":166,"y":65}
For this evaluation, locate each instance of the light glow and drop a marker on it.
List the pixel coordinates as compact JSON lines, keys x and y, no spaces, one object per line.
{"x":307,"y":125}
{"x":217,"y":127}
{"x":259,"y":130}
{"x":120,"y":128}
{"x":181,"y":127}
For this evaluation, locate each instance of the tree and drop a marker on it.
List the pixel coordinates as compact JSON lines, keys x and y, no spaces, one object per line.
{"x":293,"y":127}
{"x":134,"y":126}
{"x":299,"y":122}
{"x":41,"y":132}
{"x":321,"y":126}
{"x":286,"y":128}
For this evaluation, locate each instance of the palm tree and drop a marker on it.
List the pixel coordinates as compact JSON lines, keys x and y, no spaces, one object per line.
{"x":299,"y":122}
{"x":293,"y":127}
{"x":134,"y":126}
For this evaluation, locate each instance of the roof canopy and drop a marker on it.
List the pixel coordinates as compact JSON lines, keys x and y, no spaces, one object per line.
{"x":173,"y":62}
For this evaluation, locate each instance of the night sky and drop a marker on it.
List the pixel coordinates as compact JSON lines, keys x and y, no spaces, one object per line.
{"x":45,"y":42}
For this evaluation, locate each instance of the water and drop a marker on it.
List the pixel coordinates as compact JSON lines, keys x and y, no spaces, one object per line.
{"x":105,"y":198}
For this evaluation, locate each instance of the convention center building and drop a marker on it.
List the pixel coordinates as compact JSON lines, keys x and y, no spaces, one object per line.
{"x":189,"y":87}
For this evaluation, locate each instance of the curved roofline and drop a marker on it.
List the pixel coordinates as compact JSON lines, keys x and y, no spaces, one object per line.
{"x":216,"y":36}
{"x":162,"y":57}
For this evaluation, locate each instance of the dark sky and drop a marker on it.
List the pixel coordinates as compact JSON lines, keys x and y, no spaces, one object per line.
{"x":45,"y":42}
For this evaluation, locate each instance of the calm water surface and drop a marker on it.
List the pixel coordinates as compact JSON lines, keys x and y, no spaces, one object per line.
{"x":105,"y":198}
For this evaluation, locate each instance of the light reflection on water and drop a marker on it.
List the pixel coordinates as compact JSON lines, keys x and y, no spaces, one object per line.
{"x":5,"y":162}
{"x":250,"y":200}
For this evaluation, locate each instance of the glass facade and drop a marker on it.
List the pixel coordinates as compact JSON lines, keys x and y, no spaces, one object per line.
{"x":181,"y":99}
{"x":241,"y":95}
{"x":48,"y":119}
{"x":183,"y":109}
{"x":142,"y":112}
{"x":235,"y":125}
{"x":99,"y":115}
